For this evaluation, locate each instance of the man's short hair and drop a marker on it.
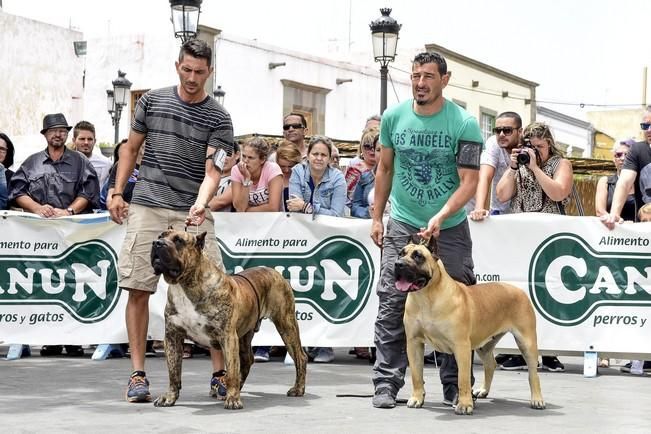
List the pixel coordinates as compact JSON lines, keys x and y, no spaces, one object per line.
{"x":83,"y":126}
{"x":196,"y":48}
{"x":512,"y":115}
{"x":433,"y":57}
{"x":303,"y":121}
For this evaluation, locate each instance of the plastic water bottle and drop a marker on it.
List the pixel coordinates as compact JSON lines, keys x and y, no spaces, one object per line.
{"x":590,"y":363}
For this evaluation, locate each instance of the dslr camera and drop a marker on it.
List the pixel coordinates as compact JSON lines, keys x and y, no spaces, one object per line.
{"x":523,"y":156}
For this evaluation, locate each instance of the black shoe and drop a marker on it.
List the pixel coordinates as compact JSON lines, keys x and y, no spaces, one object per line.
{"x":501,"y":358}
{"x":450,"y":395}
{"x":514,"y":363}
{"x":51,"y":350}
{"x":552,"y":364}
{"x":74,"y":351}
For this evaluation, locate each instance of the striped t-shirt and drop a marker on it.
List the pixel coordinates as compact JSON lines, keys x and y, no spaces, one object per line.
{"x":177,"y":135}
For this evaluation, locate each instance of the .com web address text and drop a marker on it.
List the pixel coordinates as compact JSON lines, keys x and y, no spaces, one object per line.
{"x":487,"y":277}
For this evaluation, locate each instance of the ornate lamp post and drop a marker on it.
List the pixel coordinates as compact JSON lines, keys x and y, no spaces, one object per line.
{"x":219,"y":95}
{"x":384,"y":32}
{"x":116,"y":100}
{"x":185,"y":18}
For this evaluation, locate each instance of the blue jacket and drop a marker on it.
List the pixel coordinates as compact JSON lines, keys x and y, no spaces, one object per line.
{"x":329,"y":196}
{"x":359,"y":207}
{"x":3,"y":188}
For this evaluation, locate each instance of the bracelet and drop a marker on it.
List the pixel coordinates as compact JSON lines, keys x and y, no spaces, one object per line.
{"x":117,"y":194}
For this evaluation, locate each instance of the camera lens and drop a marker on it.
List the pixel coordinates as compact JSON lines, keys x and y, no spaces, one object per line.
{"x":523,"y":158}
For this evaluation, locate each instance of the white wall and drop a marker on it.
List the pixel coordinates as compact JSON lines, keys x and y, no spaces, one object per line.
{"x":254,"y":93}
{"x":40,"y":75}
{"x":569,"y":133}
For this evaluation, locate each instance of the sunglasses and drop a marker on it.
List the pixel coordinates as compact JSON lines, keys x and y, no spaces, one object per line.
{"x":620,"y":154}
{"x":507,"y":131}
{"x":645,"y":126}
{"x":295,"y":126}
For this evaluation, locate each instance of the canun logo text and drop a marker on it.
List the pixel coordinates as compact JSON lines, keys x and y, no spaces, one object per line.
{"x":568,"y":280}
{"x":82,"y":280}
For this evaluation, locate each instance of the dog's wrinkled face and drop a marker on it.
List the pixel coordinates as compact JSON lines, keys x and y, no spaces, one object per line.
{"x":416,"y":265}
{"x":172,"y":250}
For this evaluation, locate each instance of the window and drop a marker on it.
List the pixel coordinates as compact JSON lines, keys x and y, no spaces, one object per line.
{"x":310,"y":101}
{"x":135,"y":96}
{"x":487,"y":122}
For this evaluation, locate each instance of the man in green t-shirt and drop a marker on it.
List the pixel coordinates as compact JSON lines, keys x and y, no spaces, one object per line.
{"x":428,"y":170}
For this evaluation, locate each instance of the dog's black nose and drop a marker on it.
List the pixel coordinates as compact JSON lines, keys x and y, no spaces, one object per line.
{"x":158,"y":243}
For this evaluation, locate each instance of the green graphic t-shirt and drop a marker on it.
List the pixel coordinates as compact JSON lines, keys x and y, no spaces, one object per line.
{"x":425,"y":163}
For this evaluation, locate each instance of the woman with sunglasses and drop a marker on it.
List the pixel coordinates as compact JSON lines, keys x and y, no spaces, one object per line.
{"x":539,"y":180}
{"x":366,"y":162}
{"x":606,"y":185}
{"x":362,"y":195}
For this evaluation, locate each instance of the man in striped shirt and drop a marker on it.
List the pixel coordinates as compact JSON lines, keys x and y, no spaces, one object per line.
{"x":186,"y":135}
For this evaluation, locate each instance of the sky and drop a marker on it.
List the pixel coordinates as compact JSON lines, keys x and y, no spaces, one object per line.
{"x":580,"y":52}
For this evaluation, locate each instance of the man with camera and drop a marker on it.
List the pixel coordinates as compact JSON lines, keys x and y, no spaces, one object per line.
{"x":495,"y":160}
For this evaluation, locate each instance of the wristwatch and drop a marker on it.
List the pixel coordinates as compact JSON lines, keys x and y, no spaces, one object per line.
{"x":71,"y":211}
{"x":247,"y":183}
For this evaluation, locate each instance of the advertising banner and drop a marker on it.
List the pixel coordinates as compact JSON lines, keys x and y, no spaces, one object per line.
{"x":590,"y":287}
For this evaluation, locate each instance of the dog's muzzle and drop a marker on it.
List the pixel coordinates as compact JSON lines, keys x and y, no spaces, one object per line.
{"x":161,"y":260}
{"x":407,"y":280}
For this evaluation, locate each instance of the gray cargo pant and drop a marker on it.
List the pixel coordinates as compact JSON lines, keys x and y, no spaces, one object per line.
{"x":455,"y":249}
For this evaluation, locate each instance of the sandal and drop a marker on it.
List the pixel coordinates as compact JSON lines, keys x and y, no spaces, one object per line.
{"x":604,"y":363}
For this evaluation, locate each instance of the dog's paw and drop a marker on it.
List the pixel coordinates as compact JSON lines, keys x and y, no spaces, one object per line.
{"x":480,"y":393}
{"x":538,"y":404}
{"x":296,"y":391}
{"x":166,"y":400}
{"x":463,"y":408}
{"x":232,"y":403}
{"x":415,"y":402}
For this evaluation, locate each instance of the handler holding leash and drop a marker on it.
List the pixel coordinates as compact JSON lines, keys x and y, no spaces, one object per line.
{"x":429,"y":165}
{"x":186,"y":135}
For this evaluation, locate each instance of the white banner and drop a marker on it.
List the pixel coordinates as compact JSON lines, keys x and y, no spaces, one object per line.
{"x":591,"y":288}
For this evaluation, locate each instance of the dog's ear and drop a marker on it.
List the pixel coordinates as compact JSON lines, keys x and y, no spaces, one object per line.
{"x":170,"y":228}
{"x":415,"y":239}
{"x":201,"y":240}
{"x":433,"y":247}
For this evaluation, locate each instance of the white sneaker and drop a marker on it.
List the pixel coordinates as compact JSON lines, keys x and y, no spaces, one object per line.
{"x":324,"y":355}
{"x":288,"y":359}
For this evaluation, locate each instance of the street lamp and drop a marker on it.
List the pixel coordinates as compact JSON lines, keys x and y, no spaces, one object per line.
{"x":219,"y":95}
{"x":116,"y":100}
{"x":185,"y":18}
{"x":384,"y":32}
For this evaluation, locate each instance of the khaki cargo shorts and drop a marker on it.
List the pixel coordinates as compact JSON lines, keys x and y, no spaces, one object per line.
{"x":144,"y":225}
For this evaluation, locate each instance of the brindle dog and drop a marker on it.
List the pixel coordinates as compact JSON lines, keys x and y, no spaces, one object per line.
{"x":217,"y":310}
{"x":456,"y":319}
